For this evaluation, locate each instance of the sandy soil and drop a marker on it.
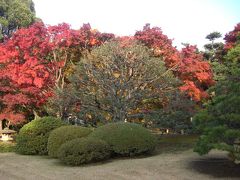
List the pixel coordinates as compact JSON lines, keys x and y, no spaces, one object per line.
{"x":181,"y":166}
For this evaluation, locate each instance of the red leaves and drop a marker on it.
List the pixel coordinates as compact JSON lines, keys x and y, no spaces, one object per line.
{"x":195,"y":73}
{"x":193,"y":67}
{"x":193,"y":91}
{"x":232,"y":37}
{"x":89,"y":38}
{"x":159,"y":43}
{"x":31,"y":59}
{"x":125,"y":41}
{"x":38,"y":82}
{"x":61,"y":64}
{"x":12,"y":99}
{"x":24,"y":67}
{"x":28,"y":66}
{"x":16,"y":118}
{"x":188,"y":65}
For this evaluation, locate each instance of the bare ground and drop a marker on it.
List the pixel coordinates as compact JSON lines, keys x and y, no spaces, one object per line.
{"x":180,"y":166}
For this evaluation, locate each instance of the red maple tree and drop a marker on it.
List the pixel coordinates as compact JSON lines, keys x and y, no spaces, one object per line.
{"x":195,"y":73}
{"x":232,"y":37}
{"x":70,"y":45}
{"x":24,"y":74}
{"x":187,"y":64}
{"x":32,"y":61}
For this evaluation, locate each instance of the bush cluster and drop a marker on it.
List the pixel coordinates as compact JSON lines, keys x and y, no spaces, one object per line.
{"x":76,"y":145}
{"x":83,"y":150}
{"x":33,"y":137}
{"x":126,"y":139}
{"x":63,"y":134}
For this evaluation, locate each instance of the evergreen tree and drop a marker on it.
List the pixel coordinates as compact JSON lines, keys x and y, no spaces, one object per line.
{"x":220,"y":121}
{"x":213,"y":50}
{"x":15,"y":14}
{"x":118,"y":80}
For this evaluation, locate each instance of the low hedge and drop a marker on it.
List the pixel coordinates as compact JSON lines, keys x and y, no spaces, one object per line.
{"x":126,"y":139}
{"x":33,"y":136}
{"x":7,"y":147}
{"x":83,"y":150}
{"x":63,"y":134}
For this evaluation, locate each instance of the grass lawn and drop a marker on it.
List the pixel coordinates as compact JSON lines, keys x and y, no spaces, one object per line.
{"x":173,"y":159}
{"x":175,"y":143}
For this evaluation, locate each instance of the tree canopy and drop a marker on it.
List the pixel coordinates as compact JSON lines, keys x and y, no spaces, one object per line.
{"x":37,"y":59}
{"x":219,"y":122}
{"x":42,"y":67}
{"x":15,"y":14}
{"x":116,"y":79}
{"x":188,"y":64}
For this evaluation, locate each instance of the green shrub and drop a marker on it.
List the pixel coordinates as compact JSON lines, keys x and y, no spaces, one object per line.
{"x":7,"y":147}
{"x":63,"y":134}
{"x":33,"y":137}
{"x":83,"y":150}
{"x":126,"y":139}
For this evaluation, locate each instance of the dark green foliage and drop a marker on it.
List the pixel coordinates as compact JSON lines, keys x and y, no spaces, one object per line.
{"x":220,"y":70}
{"x":220,"y":120}
{"x":83,"y":151}
{"x":214,"y":35}
{"x":63,"y":102}
{"x":126,"y":139}
{"x":213,"y":50}
{"x":175,"y":116}
{"x":15,"y":14}
{"x":33,"y":137}
{"x":175,"y":143}
{"x":233,"y":55}
{"x":174,"y":120}
{"x":7,"y":147}
{"x":63,"y":134}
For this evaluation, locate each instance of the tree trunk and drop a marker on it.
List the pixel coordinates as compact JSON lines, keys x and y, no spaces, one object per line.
{"x":36,"y":116}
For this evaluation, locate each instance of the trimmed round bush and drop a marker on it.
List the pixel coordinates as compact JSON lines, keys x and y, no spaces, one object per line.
{"x":83,"y":150}
{"x":33,"y":136}
{"x":126,"y":139}
{"x":63,"y":134}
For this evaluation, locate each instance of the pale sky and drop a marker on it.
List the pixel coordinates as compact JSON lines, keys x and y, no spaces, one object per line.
{"x":187,"y":21}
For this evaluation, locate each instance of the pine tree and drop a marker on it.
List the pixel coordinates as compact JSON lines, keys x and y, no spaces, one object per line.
{"x":220,"y":120}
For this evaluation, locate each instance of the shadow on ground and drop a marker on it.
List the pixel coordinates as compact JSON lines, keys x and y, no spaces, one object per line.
{"x":216,"y":167}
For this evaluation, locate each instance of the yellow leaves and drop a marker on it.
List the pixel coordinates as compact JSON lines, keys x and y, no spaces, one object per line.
{"x":134,"y":111}
{"x":157,"y":52}
{"x":93,"y":90}
{"x":108,"y":117}
{"x":69,"y":70}
{"x":94,"y":31}
{"x":89,"y":116}
{"x":116,"y":74}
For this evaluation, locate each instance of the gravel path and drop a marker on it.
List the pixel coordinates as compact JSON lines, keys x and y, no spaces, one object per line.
{"x":181,"y":166}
